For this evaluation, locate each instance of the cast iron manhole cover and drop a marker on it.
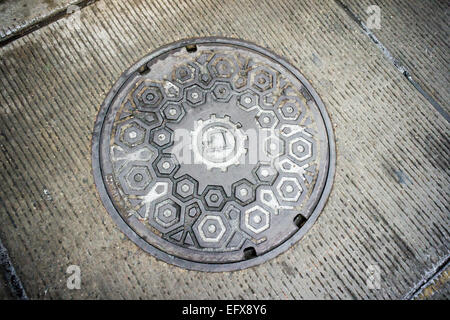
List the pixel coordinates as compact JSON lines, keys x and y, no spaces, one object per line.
{"x":213,"y":154}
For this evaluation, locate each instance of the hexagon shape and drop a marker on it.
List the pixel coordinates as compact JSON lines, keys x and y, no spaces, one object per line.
{"x":167,"y":214}
{"x":248,"y":100}
{"x":274,"y":146}
{"x":287,"y":165}
{"x":222,"y":91}
{"x":167,"y":165}
{"x":263,"y":79}
{"x":148,"y":96}
{"x":267,"y":119}
{"x":289,"y":111}
{"x":243,"y":191}
{"x":195,"y":96}
{"x":211,"y":230}
{"x":205,"y":80}
{"x":151,"y":96}
{"x":214,"y":198}
{"x":290,"y":108}
{"x":232,"y":211}
{"x":256,"y":219}
{"x":173,"y":112}
{"x":193,"y":210}
{"x":162,"y":137}
{"x":289,"y":189}
{"x":131,"y":134}
{"x":222,"y":66}
{"x":300,"y":148}
{"x":135,"y":179}
{"x":139,"y":177}
{"x":152,"y":119}
{"x":264,"y":172}
{"x":184,"y":74}
{"x":241,"y":83}
{"x":186,"y":187}
{"x":172,"y":91}
{"x":267,"y":101}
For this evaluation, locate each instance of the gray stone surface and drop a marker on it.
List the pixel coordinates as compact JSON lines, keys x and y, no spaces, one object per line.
{"x":5,"y":293}
{"x":388,"y":207}
{"x":18,"y":15}
{"x":416,"y":33}
{"x":438,"y":288}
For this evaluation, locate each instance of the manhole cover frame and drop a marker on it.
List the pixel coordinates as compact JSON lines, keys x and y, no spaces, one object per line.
{"x":180,"y":262}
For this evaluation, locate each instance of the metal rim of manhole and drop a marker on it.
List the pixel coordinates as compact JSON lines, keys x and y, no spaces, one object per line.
{"x":213,"y":154}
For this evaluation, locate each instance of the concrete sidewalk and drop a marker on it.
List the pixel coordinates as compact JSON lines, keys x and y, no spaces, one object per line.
{"x":389,"y":207}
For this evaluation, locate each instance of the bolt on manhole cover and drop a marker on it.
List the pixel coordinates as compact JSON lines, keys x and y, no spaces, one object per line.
{"x":213,"y":154}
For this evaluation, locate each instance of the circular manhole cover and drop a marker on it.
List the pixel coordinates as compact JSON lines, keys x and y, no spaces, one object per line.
{"x":213,"y":154}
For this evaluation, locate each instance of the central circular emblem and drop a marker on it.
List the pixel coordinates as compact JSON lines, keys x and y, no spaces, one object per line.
{"x":218,"y":143}
{"x":213,"y":154}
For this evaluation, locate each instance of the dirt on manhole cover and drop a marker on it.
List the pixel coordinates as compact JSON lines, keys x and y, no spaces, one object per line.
{"x":213,"y":154}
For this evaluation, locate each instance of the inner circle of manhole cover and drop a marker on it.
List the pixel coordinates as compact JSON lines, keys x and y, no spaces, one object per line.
{"x":213,"y":154}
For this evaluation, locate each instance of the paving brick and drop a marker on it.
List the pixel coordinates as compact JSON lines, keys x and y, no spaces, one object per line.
{"x":388,"y":207}
{"x":16,"y":16}
{"x":416,"y":33}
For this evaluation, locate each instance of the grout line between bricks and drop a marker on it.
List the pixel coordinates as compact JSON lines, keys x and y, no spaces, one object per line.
{"x":44,"y":22}
{"x":58,"y":86}
{"x":398,"y":65}
{"x":429,"y":278}
{"x":11,"y":277}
